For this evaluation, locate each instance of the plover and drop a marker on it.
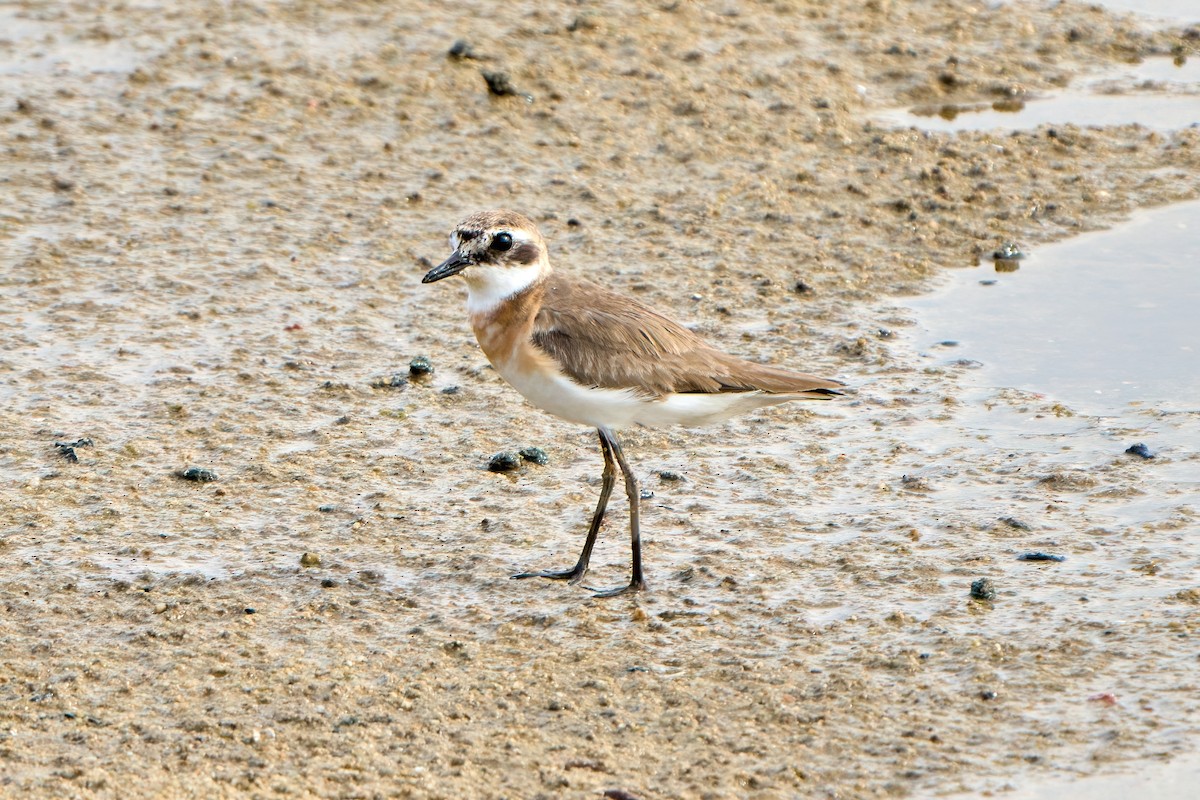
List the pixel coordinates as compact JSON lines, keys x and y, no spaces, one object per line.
{"x":594,"y":357}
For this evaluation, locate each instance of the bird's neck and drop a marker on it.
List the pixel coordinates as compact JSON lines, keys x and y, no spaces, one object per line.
{"x":489,"y":288}
{"x":502,"y":326}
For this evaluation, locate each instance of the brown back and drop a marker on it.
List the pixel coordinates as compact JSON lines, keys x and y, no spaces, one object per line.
{"x":609,"y":341}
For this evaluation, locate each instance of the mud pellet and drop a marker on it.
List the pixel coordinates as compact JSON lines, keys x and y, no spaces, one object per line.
{"x":420,"y":366}
{"x":1140,"y":450}
{"x":983,"y":589}
{"x":1008,"y":251}
{"x":504,"y":462}
{"x":198,"y":474}
{"x":535,"y":454}
{"x":499,"y":83}
{"x":1040,"y":556}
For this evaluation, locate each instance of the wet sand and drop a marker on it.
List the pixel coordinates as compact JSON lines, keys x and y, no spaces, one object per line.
{"x":214,"y":225}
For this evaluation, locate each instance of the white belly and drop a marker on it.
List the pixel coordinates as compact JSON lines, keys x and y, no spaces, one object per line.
{"x":620,"y":408}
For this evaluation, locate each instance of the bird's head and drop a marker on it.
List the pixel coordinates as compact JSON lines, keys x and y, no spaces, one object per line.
{"x":498,"y":253}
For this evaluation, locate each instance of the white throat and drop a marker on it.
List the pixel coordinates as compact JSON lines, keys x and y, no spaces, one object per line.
{"x":488,"y":287}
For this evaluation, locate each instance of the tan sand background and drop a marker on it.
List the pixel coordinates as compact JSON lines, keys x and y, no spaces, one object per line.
{"x":213,"y":222}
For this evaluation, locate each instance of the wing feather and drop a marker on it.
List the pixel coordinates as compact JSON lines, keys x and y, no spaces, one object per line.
{"x":605,"y":340}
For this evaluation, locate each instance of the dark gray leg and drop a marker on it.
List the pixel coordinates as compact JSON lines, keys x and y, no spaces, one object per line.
{"x":637,"y":581}
{"x":576,"y":573}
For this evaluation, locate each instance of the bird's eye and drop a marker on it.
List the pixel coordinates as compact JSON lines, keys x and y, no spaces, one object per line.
{"x":502,"y":242}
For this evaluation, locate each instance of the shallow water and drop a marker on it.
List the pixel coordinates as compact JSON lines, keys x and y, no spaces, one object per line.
{"x":1171,"y":10}
{"x":1158,"y":93}
{"x":1176,"y":780}
{"x":1089,"y":347}
{"x":1097,"y":322}
{"x":92,"y":49}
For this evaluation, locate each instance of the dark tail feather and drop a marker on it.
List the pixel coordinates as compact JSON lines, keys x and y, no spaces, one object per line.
{"x":746,"y":376}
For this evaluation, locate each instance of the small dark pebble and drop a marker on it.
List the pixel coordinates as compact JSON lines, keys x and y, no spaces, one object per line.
{"x":64,"y":184}
{"x":1139,"y":450}
{"x":620,"y":794}
{"x":535,"y":454}
{"x":991,"y":282}
{"x":1013,"y":522}
{"x":884,"y":333}
{"x":327,"y":508}
{"x":800,"y":287}
{"x":67,"y":452}
{"x":461,"y":50}
{"x":1008,"y":251}
{"x":499,"y":84}
{"x":420,"y":367}
{"x":450,"y":390}
{"x":574,"y":223}
{"x":583,"y":22}
{"x":504,"y":462}
{"x":328,"y":583}
{"x":396,"y":381}
{"x":983,"y":589}
{"x":250,"y":610}
{"x":67,"y":449}
{"x":670,"y":475}
{"x":948,"y":343}
{"x":1039,"y":556}
{"x":344,"y":419}
{"x":646,"y":494}
{"x":987,"y":694}
{"x":197,"y":474}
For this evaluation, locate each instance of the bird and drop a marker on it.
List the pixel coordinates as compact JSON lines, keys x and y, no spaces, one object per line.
{"x":595,"y":357}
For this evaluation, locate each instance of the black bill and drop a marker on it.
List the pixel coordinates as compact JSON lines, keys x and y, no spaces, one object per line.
{"x":453,"y":265}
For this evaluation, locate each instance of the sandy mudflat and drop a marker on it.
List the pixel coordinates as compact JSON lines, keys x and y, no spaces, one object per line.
{"x":213,"y":223}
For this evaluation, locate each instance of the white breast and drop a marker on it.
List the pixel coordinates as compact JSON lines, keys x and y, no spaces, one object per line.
{"x":488,"y":287}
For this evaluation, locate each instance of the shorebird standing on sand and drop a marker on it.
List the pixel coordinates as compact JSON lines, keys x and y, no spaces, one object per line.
{"x":591,"y":356}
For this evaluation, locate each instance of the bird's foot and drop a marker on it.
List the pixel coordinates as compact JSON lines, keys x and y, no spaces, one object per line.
{"x":571,"y":576}
{"x":636,"y":585}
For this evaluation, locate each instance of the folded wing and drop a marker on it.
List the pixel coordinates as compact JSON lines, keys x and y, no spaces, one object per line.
{"x":605,"y":340}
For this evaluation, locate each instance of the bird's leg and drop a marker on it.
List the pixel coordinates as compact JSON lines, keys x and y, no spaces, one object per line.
{"x":637,"y":581}
{"x":576,"y":573}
